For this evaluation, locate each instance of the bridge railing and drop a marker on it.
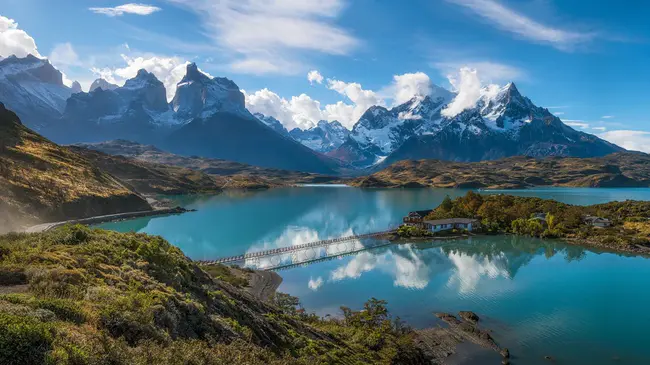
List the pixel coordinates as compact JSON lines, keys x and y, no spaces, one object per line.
{"x":275,"y":251}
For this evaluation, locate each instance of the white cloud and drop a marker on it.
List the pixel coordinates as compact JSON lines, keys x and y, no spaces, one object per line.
{"x":14,"y":41}
{"x":260,"y":66}
{"x":631,"y":140}
{"x":409,"y":85}
{"x":523,"y":26}
{"x":314,"y":76}
{"x":599,"y":128}
{"x":64,"y":55}
{"x":576,"y":123}
{"x":607,"y":117}
{"x":169,"y":70}
{"x":361,"y":99}
{"x":299,"y":112}
{"x":489,"y":72}
{"x":273,"y":30}
{"x":315,"y":284}
{"x":137,"y":9}
{"x":468,"y":86}
{"x":559,"y":113}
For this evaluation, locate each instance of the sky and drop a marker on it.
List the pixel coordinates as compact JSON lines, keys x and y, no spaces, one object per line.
{"x":306,"y":60}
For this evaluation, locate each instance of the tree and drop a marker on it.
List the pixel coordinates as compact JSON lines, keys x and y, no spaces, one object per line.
{"x":446,"y":204}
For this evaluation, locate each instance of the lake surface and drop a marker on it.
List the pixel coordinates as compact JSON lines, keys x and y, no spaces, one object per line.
{"x":541,"y":297}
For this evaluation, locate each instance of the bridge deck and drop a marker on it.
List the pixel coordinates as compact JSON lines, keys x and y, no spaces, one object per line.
{"x":281,"y":250}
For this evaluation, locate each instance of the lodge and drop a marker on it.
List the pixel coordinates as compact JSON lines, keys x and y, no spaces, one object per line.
{"x":438,"y":225}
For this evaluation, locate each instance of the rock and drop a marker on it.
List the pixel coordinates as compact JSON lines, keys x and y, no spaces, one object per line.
{"x":505,"y":353}
{"x":469,"y":316}
{"x":547,"y":357}
{"x":505,"y":362}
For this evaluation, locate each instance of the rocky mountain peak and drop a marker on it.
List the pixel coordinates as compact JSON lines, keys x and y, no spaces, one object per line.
{"x":193,"y":74}
{"x":76,"y":87}
{"x":102,"y":84}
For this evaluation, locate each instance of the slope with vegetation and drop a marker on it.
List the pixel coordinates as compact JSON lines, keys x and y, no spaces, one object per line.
{"x":624,"y":169}
{"x":41,"y":181}
{"x":629,"y":230}
{"x":77,"y":295}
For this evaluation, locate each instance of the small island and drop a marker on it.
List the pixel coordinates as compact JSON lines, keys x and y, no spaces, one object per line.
{"x":619,"y":226}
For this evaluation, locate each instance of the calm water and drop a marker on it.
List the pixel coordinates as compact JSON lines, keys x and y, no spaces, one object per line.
{"x":541,"y":297}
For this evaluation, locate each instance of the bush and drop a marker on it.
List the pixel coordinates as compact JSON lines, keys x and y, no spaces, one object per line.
{"x":24,"y":340}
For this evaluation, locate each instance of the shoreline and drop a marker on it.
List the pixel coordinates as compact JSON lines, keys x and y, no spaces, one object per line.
{"x":44,"y":227}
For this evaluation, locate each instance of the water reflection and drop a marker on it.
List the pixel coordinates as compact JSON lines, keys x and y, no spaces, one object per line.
{"x":466,"y":262}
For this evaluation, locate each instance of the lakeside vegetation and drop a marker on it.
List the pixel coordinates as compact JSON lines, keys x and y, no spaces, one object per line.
{"x":629,"y":230}
{"x":623,"y":169}
{"x":77,"y":295}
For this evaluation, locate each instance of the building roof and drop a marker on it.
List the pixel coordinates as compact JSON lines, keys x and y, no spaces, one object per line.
{"x":452,"y":221}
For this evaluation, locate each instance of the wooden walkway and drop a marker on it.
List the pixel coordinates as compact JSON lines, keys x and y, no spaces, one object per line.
{"x":284,"y":250}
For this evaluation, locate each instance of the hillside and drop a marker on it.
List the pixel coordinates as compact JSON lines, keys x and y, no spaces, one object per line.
{"x":41,"y":181}
{"x":81,"y":296}
{"x":240,"y":175}
{"x":624,"y":169}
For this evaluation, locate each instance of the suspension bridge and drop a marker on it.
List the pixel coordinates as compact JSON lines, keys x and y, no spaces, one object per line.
{"x":298,"y":254}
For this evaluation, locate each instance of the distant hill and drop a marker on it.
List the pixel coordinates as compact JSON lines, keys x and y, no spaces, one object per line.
{"x":623,"y":169}
{"x":235,"y":174}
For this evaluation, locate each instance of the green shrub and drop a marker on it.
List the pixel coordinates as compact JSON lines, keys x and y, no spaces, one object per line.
{"x":24,"y":340}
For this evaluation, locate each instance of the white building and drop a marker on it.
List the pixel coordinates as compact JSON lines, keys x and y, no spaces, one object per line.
{"x":452,"y":223}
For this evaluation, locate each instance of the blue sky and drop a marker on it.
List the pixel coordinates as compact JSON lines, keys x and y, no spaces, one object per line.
{"x":586,"y":59}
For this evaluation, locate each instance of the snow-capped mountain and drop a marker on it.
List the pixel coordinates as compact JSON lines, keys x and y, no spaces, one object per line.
{"x":380,"y":131}
{"x":34,"y":89}
{"x":198,"y":95}
{"x":101,"y":83}
{"x":503,"y":123}
{"x":206,"y":117}
{"x":324,"y":137}
{"x":272,"y":123}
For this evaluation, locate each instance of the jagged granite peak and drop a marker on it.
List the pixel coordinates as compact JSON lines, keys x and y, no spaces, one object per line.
{"x":272,"y":123}
{"x":323,"y":137}
{"x":145,"y":89}
{"x":33,"y":89}
{"x":198,"y":95}
{"x":102,"y":84}
{"x":76,"y":87}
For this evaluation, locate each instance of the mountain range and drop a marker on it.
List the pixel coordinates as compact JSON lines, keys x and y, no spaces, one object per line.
{"x":503,"y":123}
{"x":208,"y":117}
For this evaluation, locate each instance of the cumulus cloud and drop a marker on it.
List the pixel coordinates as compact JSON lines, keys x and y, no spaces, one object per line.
{"x":273,"y":30}
{"x":362,"y":100}
{"x":489,"y":72}
{"x":15,"y":41}
{"x":409,"y":85}
{"x":525,"y":27}
{"x":299,"y":112}
{"x":314,"y":76}
{"x":169,"y":70}
{"x":137,"y":9}
{"x":468,"y":86}
{"x":631,"y":140}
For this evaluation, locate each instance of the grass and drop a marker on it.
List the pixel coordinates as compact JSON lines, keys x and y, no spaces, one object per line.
{"x":103,"y":297}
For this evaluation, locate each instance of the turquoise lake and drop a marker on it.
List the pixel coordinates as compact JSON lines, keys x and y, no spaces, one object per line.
{"x":541,"y":297}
